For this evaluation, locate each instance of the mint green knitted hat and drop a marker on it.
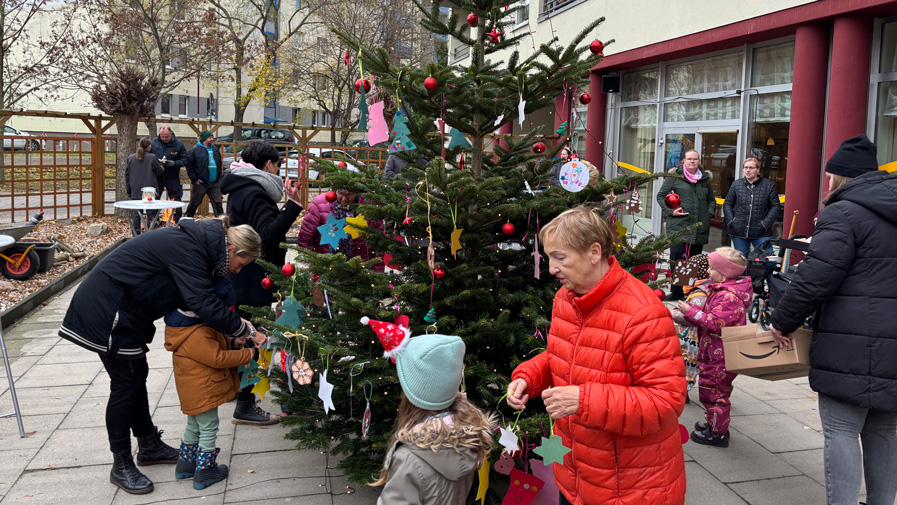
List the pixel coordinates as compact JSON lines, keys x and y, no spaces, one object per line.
{"x":430,"y":369}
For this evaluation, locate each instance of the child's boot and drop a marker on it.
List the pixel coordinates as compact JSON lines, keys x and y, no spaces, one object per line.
{"x":208,"y":471}
{"x":708,"y":437}
{"x":186,"y":461}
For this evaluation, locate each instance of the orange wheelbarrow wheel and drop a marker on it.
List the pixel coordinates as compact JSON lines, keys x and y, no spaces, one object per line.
{"x":27,"y":265}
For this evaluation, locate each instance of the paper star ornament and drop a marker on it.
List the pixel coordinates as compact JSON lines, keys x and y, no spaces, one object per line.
{"x":508,"y":439}
{"x":456,"y":241}
{"x":354,"y":225}
{"x":458,"y":139}
{"x":552,"y":450}
{"x":332,"y":231}
{"x":521,"y":111}
{"x":325,"y":393}
{"x":261,"y":387}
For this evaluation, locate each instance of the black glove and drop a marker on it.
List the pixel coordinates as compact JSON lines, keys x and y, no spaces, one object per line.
{"x":167,"y":163}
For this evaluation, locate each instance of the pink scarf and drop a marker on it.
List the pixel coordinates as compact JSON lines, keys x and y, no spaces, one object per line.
{"x":692,"y":177}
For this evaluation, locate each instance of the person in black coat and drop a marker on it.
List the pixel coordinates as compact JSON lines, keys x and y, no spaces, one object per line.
{"x":173,"y":155}
{"x":204,"y":168}
{"x":113,"y":311}
{"x":751,"y":208}
{"x":848,"y":276}
{"x":253,"y":191}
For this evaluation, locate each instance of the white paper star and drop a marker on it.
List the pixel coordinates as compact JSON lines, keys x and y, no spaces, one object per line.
{"x":509,"y":439}
{"x":520,"y":111}
{"x":438,"y":122}
{"x":325,"y":391}
{"x":528,"y":188}
{"x":499,"y":119}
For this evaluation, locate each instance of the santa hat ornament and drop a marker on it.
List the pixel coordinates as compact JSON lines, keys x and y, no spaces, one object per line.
{"x":393,"y":337}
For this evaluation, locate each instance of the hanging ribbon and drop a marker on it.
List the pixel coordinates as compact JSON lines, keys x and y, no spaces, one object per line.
{"x":354,"y":373}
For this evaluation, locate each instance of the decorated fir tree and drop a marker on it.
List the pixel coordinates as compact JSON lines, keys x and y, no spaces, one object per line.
{"x":460,"y":243}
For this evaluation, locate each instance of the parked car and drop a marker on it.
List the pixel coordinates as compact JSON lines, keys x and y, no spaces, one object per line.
{"x":19,"y":140}
{"x":272,"y":135}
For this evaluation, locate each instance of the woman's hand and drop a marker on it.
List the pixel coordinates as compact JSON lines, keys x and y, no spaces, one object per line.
{"x":292,"y":190}
{"x":561,"y":402}
{"x":683,"y":306}
{"x":259,"y":338}
{"x":517,"y":396}
{"x":679,"y":211}
{"x":783,"y":341}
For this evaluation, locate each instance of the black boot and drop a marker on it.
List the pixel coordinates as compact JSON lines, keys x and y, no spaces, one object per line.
{"x":153,"y":451}
{"x":208,"y":471}
{"x":126,"y":476}
{"x":247,"y":412}
{"x":708,"y":437}
{"x":699,"y":426}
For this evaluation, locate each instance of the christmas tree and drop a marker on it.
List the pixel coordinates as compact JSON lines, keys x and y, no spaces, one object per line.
{"x":461,"y":244}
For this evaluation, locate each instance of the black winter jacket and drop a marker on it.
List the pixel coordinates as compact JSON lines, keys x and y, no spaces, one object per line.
{"x":849,"y":274}
{"x":172,"y":151}
{"x":248,"y":203}
{"x":198,"y":163}
{"x":394,"y":166}
{"x":145,"y":278}
{"x":752,"y":209}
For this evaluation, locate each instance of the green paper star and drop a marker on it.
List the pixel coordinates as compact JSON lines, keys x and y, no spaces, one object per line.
{"x":458,"y":139}
{"x":552,"y":450}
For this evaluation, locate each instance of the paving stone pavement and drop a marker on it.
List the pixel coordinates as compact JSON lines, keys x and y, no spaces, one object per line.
{"x":774,"y":456}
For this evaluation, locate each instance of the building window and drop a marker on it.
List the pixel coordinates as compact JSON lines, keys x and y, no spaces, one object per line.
{"x":638,"y":144}
{"x":165,"y":105}
{"x":298,"y":4}
{"x":773,"y":65}
{"x":719,"y":73}
{"x":522,"y":14}
{"x":886,"y":96}
{"x":321,"y":46}
{"x":182,"y":105}
{"x":460,"y":51}
{"x":769,"y":126}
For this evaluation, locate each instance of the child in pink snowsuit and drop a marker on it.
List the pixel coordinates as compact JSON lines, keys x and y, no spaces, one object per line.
{"x":729,"y":296}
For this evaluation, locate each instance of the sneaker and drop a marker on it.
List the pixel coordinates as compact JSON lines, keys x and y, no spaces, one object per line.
{"x":699,"y":426}
{"x":708,"y":437}
{"x":247,"y":412}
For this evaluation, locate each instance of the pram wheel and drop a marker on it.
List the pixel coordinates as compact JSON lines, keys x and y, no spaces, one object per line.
{"x":754,"y":311}
{"x":764,"y":318}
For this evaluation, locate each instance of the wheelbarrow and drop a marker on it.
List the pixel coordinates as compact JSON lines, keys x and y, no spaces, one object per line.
{"x":18,"y":260}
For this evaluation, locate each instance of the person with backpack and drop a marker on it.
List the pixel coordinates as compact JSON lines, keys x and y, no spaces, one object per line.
{"x":751,"y":208}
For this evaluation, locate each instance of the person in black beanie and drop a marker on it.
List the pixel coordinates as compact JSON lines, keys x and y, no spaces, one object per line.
{"x":848,"y":276}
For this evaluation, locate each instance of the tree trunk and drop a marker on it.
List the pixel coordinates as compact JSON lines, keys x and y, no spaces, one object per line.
{"x":124,"y":147}
{"x":152,"y":128}
{"x":476,"y":150}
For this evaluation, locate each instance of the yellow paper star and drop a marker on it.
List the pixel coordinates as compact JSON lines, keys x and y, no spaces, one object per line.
{"x":456,"y":241}
{"x":262,"y":386}
{"x":484,"y":481}
{"x":621,"y":232}
{"x":354,"y":225}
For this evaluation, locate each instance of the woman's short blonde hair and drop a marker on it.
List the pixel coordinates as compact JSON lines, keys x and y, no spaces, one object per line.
{"x":733,"y":255}
{"x":755,"y":160}
{"x":578,"y":228}
{"x":837,"y":181}
{"x":247,"y":243}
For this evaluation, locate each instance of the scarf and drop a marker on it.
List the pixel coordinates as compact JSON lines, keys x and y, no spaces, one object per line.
{"x":341,"y":211}
{"x":692,"y":178}
{"x":271,"y":183}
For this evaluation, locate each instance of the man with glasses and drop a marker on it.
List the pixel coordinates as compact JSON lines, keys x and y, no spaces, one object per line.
{"x":173,"y":155}
{"x":204,"y":168}
{"x":751,"y":209}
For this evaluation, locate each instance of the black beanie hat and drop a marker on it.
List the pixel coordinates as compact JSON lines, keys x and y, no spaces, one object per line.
{"x":854,"y":158}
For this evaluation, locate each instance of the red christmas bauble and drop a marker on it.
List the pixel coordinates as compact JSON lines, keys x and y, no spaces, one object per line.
{"x":267,"y":283}
{"x":473,"y":20}
{"x":660,"y":294}
{"x":508,"y":229}
{"x":439,"y":273}
{"x":539,"y":147}
{"x":288,"y":270}
{"x":597,"y":47}
{"x":672,"y":201}
{"x":585,"y":98}
{"x":360,"y":82}
{"x":430,"y":83}
{"x":330,"y":196}
{"x":341,"y":164}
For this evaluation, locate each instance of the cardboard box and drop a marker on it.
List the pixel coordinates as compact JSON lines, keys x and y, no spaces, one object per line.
{"x":757,"y":354}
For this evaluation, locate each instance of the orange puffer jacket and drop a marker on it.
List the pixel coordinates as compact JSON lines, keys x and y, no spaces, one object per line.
{"x":618,"y":344}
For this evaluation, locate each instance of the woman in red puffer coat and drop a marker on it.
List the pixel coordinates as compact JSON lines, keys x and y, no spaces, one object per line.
{"x":613,"y":375}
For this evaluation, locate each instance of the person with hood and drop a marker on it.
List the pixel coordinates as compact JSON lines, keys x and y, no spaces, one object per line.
{"x":254,"y":190}
{"x":751,"y":208}
{"x":173,"y":155}
{"x":698,"y":205}
{"x":204,"y":168}
{"x":848,"y":276}
{"x":142,"y":170}
{"x":440,"y":438}
{"x":113,"y":312}
{"x":728,"y":297}
{"x":612,"y":376}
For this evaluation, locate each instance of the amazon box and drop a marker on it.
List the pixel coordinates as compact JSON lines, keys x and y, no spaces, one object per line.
{"x":756,"y":354}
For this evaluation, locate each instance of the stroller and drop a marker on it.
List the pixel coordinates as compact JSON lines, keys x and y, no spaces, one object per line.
{"x":770,"y":275}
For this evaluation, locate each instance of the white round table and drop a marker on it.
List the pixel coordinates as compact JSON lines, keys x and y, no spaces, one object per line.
{"x":149,"y":224}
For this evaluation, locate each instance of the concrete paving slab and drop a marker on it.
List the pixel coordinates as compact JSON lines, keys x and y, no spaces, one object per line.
{"x":175,"y":491}
{"x":37,"y":430}
{"x":278,"y":474}
{"x":769,"y":390}
{"x":743,"y":460}
{"x":66,"y":354}
{"x":808,"y":462}
{"x":73,"y":448}
{"x":800,"y":490}
{"x":249,"y":439}
{"x":159,"y":359}
{"x":48,"y":400}
{"x":778,"y":432}
{"x":13,"y":463}
{"x":704,"y":489}
{"x":37,"y":347}
{"x":52,"y":487}
{"x":744,"y":404}
{"x":18,"y":367}
{"x":358,"y":494}
{"x":805,"y":411}
{"x":32,"y":331}
{"x":318,"y":499}
{"x":87,"y":413}
{"x":61,"y":375}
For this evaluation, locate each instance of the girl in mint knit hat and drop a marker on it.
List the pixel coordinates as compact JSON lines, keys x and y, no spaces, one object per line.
{"x":440,"y":439}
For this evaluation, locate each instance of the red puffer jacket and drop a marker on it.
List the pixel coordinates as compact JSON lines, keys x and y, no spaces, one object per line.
{"x":618,"y":344}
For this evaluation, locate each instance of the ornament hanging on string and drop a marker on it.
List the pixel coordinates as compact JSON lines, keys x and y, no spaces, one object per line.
{"x":672,"y":201}
{"x":508,"y":229}
{"x":330,"y":196}
{"x":585,"y":98}
{"x":494,"y":35}
{"x":362,"y":82}
{"x":524,"y":488}
{"x":267,"y":283}
{"x":288,"y":270}
{"x":473,"y":20}
{"x":439,"y":273}
{"x":505,"y":464}
{"x":539,"y":147}
{"x":597,"y":47}
{"x":301,"y":370}
{"x":634,"y":203}
{"x":431,"y":83}
{"x":366,"y":418}
{"x":431,"y":316}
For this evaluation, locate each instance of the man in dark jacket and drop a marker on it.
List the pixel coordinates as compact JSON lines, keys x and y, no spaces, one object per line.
{"x":113,"y":314}
{"x":751,"y":208}
{"x":394,"y":166}
{"x":204,"y":169}
{"x":173,"y":155}
{"x":848,"y":275}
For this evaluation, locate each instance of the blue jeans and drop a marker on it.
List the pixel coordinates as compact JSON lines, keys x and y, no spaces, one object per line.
{"x":744,"y":244}
{"x":845,"y":465}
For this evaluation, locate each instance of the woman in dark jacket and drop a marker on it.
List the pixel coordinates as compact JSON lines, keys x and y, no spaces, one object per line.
{"x":848,"y":275}
{"x":751,"y":208}
{"x":113,"y":311}
{"x":554,"y":175}
{"x":254,"y":190}
{"x":142,"y":170}
{"x":698,"y":205}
